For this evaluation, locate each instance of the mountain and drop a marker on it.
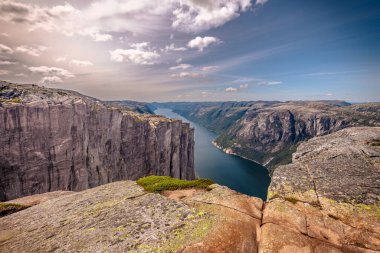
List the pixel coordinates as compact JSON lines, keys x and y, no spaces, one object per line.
{"x":270,"y":131}
{"x":325,"y":201}
{"x":61,"y":140}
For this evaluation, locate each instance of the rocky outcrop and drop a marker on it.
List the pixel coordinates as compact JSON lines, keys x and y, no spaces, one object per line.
{"x":328,"y":199}
{"x":269,"y":132}
{"x":61,"y":140}
{"x":122,"y":217}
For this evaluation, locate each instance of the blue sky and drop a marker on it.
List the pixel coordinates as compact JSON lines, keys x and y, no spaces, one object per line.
{"x":193,"y":50}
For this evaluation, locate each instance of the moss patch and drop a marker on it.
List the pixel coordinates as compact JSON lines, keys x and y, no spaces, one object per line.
{"x":163,"y":183}
{"x":10,"y":100}
{"x":9,"y":208}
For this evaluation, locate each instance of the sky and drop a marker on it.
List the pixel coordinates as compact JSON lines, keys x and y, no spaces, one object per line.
{"x":195,"y":50}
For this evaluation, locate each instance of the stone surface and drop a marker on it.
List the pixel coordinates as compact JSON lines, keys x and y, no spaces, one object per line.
{"x":343,"y":166}
{"x":62,"y":140}
{"x":39,"y":198}
{"x":328,"y":198}
{"x":122,"y":217}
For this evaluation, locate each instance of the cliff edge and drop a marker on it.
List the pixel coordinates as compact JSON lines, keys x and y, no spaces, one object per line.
{"x":61,"y":140}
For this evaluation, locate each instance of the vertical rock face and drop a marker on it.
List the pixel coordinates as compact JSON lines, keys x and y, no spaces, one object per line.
{"x":61,"y":140}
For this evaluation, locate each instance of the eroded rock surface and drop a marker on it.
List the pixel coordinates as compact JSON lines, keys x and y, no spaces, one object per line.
{"x":328,"y":199}
{"x":61,"y":140}
{"x":122,"y":217}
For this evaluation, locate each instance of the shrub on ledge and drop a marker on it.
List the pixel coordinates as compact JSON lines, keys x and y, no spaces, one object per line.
{"x":163,"y":183}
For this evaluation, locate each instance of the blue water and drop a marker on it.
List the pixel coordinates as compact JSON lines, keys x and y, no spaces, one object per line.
{"x":237,"y":173}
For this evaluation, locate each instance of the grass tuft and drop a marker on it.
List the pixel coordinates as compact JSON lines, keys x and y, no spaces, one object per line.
{"x":10,"y":100}
{"x":163,"y":183}
{"x":9,"y":208}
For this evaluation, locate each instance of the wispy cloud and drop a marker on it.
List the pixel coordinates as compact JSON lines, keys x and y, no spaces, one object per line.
{"x":5,"y":49}
{"x":81,"y":63}
{"x":327,"y":73}
{"x":31,"y":50}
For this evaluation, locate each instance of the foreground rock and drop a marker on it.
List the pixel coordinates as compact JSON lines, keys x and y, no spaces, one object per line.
{"x":61,"y":140}
{"x":122,"y":217}
{"x":328,"y":199}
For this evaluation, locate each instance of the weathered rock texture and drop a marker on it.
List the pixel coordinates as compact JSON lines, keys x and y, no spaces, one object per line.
{"x":61,"y":140}
{"x":328,"y":199}
{"x":121,"y":217}
{"x":269,"y":132}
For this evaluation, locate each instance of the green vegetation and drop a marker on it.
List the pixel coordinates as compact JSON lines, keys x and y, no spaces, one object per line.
{"x":9,"y":208}
{"x":162,"y":183}
{"x":11,"y":100}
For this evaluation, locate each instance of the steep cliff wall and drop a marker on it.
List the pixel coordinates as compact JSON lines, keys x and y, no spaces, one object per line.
{"x":62,"y":140}
{"x":269,"y":132}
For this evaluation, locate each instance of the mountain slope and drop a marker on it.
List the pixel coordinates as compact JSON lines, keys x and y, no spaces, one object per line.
{"x":269,"y":132}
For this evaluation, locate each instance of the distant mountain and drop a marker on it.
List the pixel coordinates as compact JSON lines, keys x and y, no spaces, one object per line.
{"x":269,"y":131}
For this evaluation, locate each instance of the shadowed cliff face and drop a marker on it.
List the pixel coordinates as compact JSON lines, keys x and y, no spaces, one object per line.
{"x":269,"y":132}
{"x":61,"y":140}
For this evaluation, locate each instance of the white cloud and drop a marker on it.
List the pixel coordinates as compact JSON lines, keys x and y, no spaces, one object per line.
{"x":181,"y":66}
{"x":81,"y":63}
{"x":100,"y":19}
{"x":51,"y":80}
{"x":243,"y":86}
{"x":34,"y":51}
{"x":198,"y":15}
{"x":64,"y":19}
{"x":57,"y":18}
{"x":140,"y":54}
{"x":205,"y":94}
{"x":201,"y":43}
{"x":329,"y":94}
{"x":7,"y":62}
{"x":186,"y":75}
{"x":5,"y":34}
{"x":51,"y":71}
{"x":20,"y":75}
{"x":261,"y":2}
{"x":95,"y":34}
{"x":172,"y":47}
{"x":4,"y":72}
{"x":179,"y":60}
{"x":5,"y":49}
{"x":60,"y":59}
{"x":209,"y":68}
{"x":231,"y":89}
{"x":140,"y":45}
{"x":273,"y":83}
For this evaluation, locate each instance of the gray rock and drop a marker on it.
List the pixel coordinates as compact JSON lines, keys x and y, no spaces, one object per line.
{"x":62,"y":140}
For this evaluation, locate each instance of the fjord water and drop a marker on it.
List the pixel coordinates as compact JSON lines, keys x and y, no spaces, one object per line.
{"x":235,"y":172}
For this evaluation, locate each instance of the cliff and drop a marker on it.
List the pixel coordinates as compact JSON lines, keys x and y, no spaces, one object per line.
{"x":326,"y":201}
{"x":330,"y":193}
{"x":62,"y":140}
{"x":269,"y":132}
